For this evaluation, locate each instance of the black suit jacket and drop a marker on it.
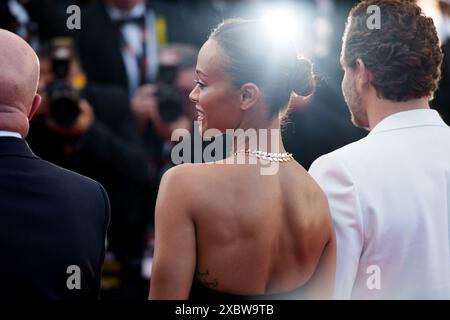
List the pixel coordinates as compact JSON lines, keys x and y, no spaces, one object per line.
{"x":50,"y":219}
{"x":98,"y":44}
{"x":99,"y":40}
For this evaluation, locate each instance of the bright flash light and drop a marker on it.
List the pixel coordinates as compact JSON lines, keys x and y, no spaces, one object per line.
{"x":281,"y":25}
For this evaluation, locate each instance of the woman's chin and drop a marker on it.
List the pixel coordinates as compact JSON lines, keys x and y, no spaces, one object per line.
{"x":206,"y":132}
{"x":203,"y":129}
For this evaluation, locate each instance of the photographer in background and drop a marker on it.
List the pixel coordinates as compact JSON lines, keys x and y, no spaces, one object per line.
{"x":92,"y":131}
{"x":163,"y":107}
{"x":118,"y":42}
{"x":14,"y":17}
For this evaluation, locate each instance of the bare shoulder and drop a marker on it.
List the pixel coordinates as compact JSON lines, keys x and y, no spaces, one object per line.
{"x":312,"y":199}
{"x":319,"y":200}
{"x":306,"y":183}
{"x":187,"y":182}
{"x":178,"y":180}
{"x":202,"y":188}
{"x":185,"y":175}
{"x":321,"y":210}
{"x":174,"y":202}
{"x":178,"y":173}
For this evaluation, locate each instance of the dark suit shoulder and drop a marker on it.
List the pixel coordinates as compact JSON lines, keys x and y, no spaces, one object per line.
{"x":67,"y":174}
{"x":51,"y":219}
{"x":68,"y":180}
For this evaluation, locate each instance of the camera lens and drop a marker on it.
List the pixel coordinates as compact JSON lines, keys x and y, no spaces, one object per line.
{"x":170,"y":103}
{"x":63,"y":104}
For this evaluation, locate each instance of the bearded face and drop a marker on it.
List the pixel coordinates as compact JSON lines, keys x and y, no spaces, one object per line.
{"x":353,"y":99}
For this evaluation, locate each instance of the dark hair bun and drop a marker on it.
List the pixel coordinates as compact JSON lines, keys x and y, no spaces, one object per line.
{"x":302,"y":79}
{"x":275,"y":67}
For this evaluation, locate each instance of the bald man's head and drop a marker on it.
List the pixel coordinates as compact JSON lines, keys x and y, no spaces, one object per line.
{"x":19,"y":77}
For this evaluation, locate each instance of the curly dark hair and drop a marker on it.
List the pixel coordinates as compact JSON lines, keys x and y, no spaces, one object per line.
{"x":404,"y":55}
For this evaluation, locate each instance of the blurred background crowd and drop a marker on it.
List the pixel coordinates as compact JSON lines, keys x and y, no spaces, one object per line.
{"x":115,"y":90}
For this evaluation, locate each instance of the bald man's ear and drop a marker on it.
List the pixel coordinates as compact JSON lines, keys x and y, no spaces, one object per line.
{"x":250,"y":95}
{"x":35,"y":106}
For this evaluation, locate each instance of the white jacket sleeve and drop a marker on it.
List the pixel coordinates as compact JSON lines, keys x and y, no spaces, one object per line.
{"x":336,"y":182}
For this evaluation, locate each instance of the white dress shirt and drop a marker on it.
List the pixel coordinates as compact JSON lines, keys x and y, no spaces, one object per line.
{"x":389,"y":196}
{"x":10,"y":134}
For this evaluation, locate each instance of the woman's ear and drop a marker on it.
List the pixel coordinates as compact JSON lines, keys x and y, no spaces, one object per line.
{"x":250,"y":95}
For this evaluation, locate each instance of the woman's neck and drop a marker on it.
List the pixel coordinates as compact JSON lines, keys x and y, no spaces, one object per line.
{"x":262,"y":137}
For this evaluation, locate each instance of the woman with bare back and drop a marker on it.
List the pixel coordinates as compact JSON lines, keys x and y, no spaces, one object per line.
{"x":224,"y":230}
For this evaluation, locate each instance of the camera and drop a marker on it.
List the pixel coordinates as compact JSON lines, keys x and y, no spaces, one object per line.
{"x":63,"y":98}
{"x":170,"y":100}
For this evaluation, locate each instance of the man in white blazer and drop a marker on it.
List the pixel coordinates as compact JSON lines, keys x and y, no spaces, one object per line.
{"x":389,"y":193}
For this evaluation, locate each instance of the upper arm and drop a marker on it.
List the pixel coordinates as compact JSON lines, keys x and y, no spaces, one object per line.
{"x":322,"y":245}
{"x":175,"y":241}
{"x":340,"y":189}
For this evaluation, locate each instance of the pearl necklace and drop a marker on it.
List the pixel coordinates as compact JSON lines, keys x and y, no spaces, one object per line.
{"x":277,"y":157}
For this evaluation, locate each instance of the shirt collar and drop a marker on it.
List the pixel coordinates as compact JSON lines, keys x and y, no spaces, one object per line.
{"x":408,"y":119}
{"x":10,"y":134}
{"x":117,"y":14}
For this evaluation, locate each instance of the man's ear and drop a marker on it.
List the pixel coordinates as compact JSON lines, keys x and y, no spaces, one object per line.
{"x":250,"y":95}
{"x":363,"y":75}
{"x":34,"y":106}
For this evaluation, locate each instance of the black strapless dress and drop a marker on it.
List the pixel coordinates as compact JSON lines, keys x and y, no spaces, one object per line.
{"x":200,"y":292}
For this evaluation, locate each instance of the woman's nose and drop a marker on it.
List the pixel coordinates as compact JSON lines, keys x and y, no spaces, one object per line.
{"x":194,"y":95}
